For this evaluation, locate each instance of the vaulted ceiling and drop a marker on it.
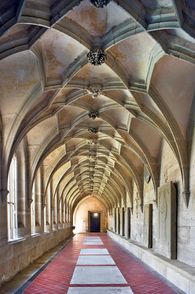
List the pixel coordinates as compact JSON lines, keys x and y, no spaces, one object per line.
{"x":95,"y":129}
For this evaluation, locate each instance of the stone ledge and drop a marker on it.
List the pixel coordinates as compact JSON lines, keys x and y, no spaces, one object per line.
{"x":18,"y":254}
{"x":17,"y":240}
{"x":35,"y":235}
{"x":178,"y":273}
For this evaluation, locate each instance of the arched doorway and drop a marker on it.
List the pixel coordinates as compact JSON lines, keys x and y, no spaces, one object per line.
{"x":90,"y":215}
{"x":94,"y":221}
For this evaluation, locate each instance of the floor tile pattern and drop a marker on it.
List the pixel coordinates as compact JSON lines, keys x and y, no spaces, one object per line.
{"x":95,"y":260}
{"x":92,"y":251}
{"x":100,"y":290}
{"x":97,"y":275}
{"x":58,"y":275}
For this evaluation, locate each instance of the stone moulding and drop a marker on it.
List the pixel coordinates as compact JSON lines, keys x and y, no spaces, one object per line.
{"x":93,"y":130}
{"x":100,"y":3}
{"x":96,"y":56}
{"x":95,"y":90}
{"x":93,"y":114}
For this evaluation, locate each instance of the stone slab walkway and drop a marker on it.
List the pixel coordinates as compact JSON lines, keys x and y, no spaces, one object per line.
{"x":95,"y":264}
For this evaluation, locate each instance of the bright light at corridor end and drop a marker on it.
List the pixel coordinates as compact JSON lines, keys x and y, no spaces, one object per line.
{"x":95,"y":214}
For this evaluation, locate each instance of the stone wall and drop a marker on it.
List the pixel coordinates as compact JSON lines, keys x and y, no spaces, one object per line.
{"x":15,"y":256}
{"x":169,"y":172}
{"x":186,"y":217}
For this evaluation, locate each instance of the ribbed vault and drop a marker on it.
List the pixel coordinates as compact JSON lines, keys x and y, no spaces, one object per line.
{"x":95,"y":130}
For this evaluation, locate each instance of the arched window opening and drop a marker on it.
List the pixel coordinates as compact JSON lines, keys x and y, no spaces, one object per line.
{"x":12,"y":201}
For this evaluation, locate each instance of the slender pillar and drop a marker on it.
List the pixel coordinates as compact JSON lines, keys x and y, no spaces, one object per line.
{"x":42,"y":202}
{"x":39,"y":205}
{"x":52,"y":206}
{"x":3,"y":216}
{"x":118,"y":220}
{"x":48,"y":209}
{"x":28,"y":191}
{"x":122,"y":220}
{"x":127,"y":222}
{"x":63,"y":213}
{"x":21,"y":211}
{"x":59,"y":209}
{"x":3,"y":200}
{"x":55,"y":212}
{"x":114,"y":220}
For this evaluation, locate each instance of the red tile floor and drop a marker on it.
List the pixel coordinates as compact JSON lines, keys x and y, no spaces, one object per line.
{"x":56,"y":277}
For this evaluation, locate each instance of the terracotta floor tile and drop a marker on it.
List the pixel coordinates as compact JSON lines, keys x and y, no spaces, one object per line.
{"x":56,"y":277}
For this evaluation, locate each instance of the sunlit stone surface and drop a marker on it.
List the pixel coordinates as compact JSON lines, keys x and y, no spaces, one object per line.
{"x":100,"y":290}
{"x":97,"y":275}
{"x":95,"y":260}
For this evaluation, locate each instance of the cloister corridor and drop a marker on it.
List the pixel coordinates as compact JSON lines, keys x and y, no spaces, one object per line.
{"x":97,"y":146}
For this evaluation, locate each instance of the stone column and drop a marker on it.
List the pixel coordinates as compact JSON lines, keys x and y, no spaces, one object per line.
{"x":127,"y":222}
{"x":3,"y":201}
{"x":28,"y":213}
{"x":58,"y":208}
{"x":52,"y":206}
{"x":43,"y":202}
{"x":55,"y":211}
{"x":63,"y":213}
{"x":48,"y":207}
{"x":21,"y":207}
{"x":122,"y":221}
{"x":68,"y":214}
{"x":71,"y":219}
{"x":27,"y":191}
{"x":39,"y":202}
{"x":116,"y":211}
{"x":118,"y":220}
{"x":3,"y":216}
{"x":114,"y":220}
